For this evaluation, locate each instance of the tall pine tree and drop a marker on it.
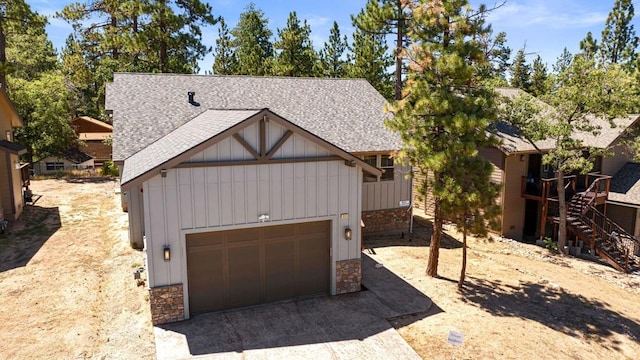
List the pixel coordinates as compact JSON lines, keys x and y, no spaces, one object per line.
{"x":332,"y":54}
{"x":539,"y":76}
{"x":225,"y":61}
{"x":295,"y":55}
{"x":388,"y":17}
{"x":252,"y":42}
{"x":446,"y":110}
{"x":369,"y":59}
{"x":619,"y":41}
{"x":520,"y":72}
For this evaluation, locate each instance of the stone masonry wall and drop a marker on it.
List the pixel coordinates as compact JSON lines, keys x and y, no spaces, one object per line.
{"x":385,"y":220}
{"x":348,"y":276}
{"x":167,"y":304}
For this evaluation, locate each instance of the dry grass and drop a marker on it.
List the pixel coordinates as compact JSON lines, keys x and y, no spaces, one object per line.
{"x":66,"y":283}
{"x":519,"y":301}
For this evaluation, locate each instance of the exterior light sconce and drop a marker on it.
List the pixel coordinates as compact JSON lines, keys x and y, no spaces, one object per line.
{"x":166,"y":253}
{"x":163,"y":173}
{"x":347,"y":233}
{"x":522,"y":157}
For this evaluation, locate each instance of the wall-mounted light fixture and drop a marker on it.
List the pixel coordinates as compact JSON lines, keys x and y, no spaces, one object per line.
{"x":166,"y":253}
{"x":522,"y":157}
{"x":8,"y":136}
{"x":163,"y":173}
{"x":347,"y":233}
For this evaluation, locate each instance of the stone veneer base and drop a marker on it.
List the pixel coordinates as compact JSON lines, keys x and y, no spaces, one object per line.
{"x":348,"y":276}
{"x":167,"y":304}
{"x":385,"y":220}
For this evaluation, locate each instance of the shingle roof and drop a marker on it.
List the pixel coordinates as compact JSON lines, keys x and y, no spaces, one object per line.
{"x":625,"y":185}
{"x":348,"y":113}
{"x":76,"y":156}
{"x":202,"y":128}
{"x":513,"y":141}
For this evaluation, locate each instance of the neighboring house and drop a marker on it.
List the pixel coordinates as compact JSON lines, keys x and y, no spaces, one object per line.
{"x":93,"y":134}
{"x":248,"y":190}
{"x":528,"y":187}
{"x":72,"y":159}
{"x":90,"y":154}
{"x":11,"y":180}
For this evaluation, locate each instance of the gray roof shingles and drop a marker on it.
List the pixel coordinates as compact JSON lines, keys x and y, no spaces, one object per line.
{"x":193,"y":133}
{"x":348,"y":113}
{"x":625,"y":185}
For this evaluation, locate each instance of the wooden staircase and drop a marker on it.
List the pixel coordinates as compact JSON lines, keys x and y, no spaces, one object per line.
{"x":605,"y":238}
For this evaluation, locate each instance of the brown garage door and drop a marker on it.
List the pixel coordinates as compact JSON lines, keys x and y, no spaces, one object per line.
{"x":235,"y":268}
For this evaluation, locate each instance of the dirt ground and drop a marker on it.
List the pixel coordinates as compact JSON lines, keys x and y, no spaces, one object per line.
{"x":66,"y":278}
{"x":519,"y":301}
{"x":67,"y":290}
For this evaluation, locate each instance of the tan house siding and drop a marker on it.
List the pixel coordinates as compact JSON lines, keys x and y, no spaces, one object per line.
{"x":624,"y":216}
{"x":382,"y":195}
{"x":11,"y":187}
{"x":513,"y":204}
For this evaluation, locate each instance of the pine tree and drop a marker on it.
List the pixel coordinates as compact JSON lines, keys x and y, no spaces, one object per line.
{"x":295,"y":55}
{"x":369,"y":59}
{"x":251,"y":41}
{"x":498,"y":53}
{"x":331,"y":56}
{"x":619,"y":41}
{"x":563,"y":62}
{"x":520,"y":72}
{"x":589,"y":46}
{"x":388,"y":17}
{"x":539,"y":78}
{"x":446,"y":110}
{"x":225,"y":61}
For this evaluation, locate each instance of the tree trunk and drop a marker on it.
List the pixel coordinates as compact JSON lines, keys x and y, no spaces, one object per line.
{"x":434,"y":248}
{"x":3,"y":56}
{"x":562,"y":208}
{"x":114,"y":49}
{"x":399,"y":48}
{"x":463,"y":272}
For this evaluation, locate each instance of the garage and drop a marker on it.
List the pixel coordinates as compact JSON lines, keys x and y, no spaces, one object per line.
{"x":236,"y":268}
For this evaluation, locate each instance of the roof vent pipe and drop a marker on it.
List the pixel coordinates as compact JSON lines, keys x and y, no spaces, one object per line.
{"x":192,"y":101}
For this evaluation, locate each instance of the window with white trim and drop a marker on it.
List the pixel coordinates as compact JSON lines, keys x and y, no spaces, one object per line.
{"x":384,"y":162}
{"x":54,"y":166}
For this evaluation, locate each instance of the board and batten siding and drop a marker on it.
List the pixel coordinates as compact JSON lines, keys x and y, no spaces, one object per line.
{"x":383,"y":195}
{"x":203,"y":199}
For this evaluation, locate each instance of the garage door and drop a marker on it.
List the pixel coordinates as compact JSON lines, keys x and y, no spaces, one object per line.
{"x":228,"y":269}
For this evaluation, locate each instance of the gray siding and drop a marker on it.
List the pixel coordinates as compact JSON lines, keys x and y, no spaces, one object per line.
{"x":612,"y":164}
{"x":200,"y":199}
{"x":383,"y":195}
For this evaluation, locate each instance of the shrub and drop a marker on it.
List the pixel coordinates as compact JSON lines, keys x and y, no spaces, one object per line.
{"x":108,"y":169}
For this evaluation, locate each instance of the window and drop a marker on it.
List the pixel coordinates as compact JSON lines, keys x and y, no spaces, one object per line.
{"x":386,"y":164}
{"x":54,"y":166}
{"x":373,"y":161}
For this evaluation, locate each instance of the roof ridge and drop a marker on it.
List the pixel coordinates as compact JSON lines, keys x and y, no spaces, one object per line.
{"x":242,"y":76}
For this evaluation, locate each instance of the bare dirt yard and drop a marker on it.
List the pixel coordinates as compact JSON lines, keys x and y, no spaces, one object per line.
{"x":67,"y":290}
{"x":519,"y":301}
{"x":66,"y":278}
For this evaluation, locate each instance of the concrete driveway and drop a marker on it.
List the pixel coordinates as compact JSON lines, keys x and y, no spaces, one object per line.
{"x":351,"y":326}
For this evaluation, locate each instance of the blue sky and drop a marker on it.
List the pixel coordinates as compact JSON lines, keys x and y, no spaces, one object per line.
{"x":545,"y":26}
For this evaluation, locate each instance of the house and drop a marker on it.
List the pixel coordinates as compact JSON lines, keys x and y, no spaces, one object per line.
{"x":93,"y":134}
{"x":72,"y":159}
{"x":247,"y":190}
{"x":528,"y":200}
{"x":11,"y":180}
{"x":91,"y":152}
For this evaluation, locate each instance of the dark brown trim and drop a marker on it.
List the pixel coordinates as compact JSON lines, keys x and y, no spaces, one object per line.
{"x":242,"y":125}
{"x":279,"y":144}
{"x":255,"y":162}
{"x":246,"y":145}
{"x":263,"y":138}
{"x":12,"y":200}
